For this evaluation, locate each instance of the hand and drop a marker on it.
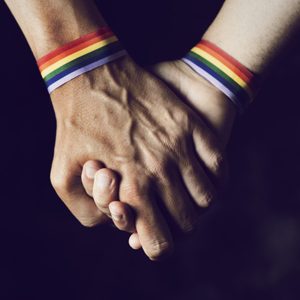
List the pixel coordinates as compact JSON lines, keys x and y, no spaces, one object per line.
{"x":102,"y":185}
{"x":207,"y":101}
{"x":138,"y":128}
{"x":210,"y":104}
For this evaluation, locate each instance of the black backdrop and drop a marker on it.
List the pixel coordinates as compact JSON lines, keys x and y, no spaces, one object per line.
{"x":247,"y":247}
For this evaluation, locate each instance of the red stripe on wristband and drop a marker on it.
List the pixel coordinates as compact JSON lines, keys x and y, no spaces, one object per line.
{"x":73,"y":44}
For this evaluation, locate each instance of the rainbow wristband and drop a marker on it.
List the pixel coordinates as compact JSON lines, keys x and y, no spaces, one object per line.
{"x":79,"y":56}
{"x":223,"y":71}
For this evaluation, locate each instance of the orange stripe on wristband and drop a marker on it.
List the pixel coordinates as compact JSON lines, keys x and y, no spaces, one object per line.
{"x":223,"y":71}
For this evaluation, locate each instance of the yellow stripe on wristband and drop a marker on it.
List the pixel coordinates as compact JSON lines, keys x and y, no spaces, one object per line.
{"x":77,"y":54}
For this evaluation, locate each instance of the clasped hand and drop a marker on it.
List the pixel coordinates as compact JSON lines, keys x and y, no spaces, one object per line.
{"x":127,"y":147}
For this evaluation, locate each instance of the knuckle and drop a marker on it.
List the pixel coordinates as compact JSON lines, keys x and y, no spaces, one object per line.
{"x":59,"y":181}
{"x":218,"y":163}
{"x":88,"y":219}
{"x":102,"y":202}
{"x":87,"y":222}
{"x":109,"y":184}
{"x":108,"y":173}
{"x":206,"y":199}
{"x":160,"y":249}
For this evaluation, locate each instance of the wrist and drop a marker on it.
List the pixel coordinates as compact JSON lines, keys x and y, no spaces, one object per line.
{"x":223,"y":71}
{"x":47,"y":40}
{"x":92,"y":84}
{"x":54,"y":23}
{"x":212,"y":106}
{"x":210,"y":103}
{"x":79,"y":56}
{"x":254,"y":32}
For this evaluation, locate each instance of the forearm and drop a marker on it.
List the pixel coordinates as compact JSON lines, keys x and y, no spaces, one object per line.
{"x":48,"y":24}
{"x":254,"y":31}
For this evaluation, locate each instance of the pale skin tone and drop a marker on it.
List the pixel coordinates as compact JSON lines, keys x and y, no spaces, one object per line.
{"x":253,"y":32}
{"x":219,"y":120}
{"x":111,"y":114}
{"x":147,"y":150}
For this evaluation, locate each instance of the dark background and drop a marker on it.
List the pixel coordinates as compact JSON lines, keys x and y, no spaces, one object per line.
{"x":247,"y":247}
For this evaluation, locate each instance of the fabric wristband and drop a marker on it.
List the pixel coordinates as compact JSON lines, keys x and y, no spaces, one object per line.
{"x":79,"y":56}
{"x":223,"y":71}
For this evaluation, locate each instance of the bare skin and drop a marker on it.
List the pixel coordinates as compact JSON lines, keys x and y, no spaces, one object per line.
{"x":125,"y":117}
{"x":145,"y":148}
{"x":150,"y":151}
{"x":218,"y":113}
{"x":253,"y":32}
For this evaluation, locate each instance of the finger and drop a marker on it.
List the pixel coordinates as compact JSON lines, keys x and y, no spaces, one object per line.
{"x":197,"y":182}
{"x":211,"y":155}
{"x":88,"y":174}
{"x":134,"y":241}
{"x":122,"y":216}
{"x":177,"y":200}
{"x":66,"y":180}
{"x":105,"y":189}
{"x":152,"y":230}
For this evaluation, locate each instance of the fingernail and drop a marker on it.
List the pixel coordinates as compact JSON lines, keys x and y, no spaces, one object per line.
{"x":116,"y":217}
{"x":103,"y":181}
{"x":90,"y":172}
